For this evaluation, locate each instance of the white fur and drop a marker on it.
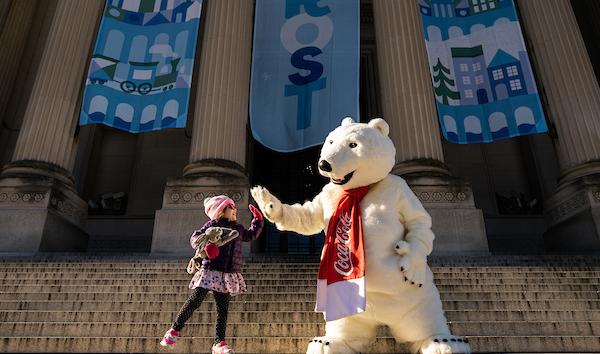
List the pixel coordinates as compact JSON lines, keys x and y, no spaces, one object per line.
{"x":397,"y":239}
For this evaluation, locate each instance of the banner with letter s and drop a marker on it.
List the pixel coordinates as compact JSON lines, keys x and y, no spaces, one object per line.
{"x":305,"y":70}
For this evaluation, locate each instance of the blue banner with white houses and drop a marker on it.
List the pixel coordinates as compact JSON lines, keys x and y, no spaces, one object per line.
{"x":482,"y":78}
{"x":305,"y":70}
{"x":140,"y":73}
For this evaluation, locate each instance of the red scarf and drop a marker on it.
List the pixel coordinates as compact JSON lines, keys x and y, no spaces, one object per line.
{"x":341,"y":282}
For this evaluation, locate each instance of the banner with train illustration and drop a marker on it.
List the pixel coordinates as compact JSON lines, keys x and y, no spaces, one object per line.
{"x":140,"y":73}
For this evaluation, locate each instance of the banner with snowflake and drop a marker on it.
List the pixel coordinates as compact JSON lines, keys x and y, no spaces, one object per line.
{"x":482,"y":78}
{"x":140,"y":73}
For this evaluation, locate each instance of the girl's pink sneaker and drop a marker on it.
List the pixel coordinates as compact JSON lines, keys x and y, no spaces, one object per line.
{"x":170,"y":338}
{"x":221,"y":348}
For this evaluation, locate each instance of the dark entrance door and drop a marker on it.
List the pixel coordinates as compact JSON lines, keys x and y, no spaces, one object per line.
{"x":482,"y":96}
{"x":293,"y":178}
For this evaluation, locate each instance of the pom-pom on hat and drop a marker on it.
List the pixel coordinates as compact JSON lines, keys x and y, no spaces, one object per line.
{"x":213,"y":207}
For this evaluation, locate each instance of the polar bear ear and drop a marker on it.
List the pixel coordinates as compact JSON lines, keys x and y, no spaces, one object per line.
{"x":380,"y":125}
{"x":347,"y":121}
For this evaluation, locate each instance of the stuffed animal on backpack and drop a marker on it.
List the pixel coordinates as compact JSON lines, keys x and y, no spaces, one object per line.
{"x":208,"y":243}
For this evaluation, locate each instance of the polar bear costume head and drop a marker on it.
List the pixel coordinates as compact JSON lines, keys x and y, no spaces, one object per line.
{"x":357,"y":154}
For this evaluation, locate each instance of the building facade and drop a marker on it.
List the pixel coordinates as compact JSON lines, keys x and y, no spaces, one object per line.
{"x":65,"y":187}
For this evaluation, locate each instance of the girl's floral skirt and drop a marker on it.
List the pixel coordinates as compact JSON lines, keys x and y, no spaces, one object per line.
{"x":232,"y":283}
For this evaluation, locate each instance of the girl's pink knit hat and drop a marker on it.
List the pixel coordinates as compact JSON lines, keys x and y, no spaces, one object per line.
{"x":213,"y":207}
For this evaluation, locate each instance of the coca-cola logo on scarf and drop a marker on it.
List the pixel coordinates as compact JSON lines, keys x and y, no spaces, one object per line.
{"x":343,"y":260}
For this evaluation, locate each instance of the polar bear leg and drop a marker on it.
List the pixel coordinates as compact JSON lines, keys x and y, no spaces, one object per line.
{"x":444,"y":344}
{"x":434,"y":329}
{"x":424,"y":323}
{"x":351,"y":334}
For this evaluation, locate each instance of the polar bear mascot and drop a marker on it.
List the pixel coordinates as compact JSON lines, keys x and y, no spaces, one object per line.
{"x":373,"y":267}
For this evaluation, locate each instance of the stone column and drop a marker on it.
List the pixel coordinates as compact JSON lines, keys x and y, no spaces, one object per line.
{"x":218,"y":151}
{"x":4,"y":9}
{"x":409,"y":107}
{"x":15,"y":22}
{"x":39,"y":207}
{"x":16,"y":19}
{"x":573,"y":105}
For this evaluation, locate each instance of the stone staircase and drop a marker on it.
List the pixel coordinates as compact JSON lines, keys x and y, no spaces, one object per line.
{"x":124,"y":304}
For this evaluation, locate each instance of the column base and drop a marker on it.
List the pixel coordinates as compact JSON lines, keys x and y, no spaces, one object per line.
{"x":183,"y":203}
{"x":573,"y":217}
{"x":40,"y":210}
{"x":457,"y":224}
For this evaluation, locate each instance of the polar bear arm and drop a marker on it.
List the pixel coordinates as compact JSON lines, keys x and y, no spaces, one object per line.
{"x":305,"y":219}
{"x":416,"y":220}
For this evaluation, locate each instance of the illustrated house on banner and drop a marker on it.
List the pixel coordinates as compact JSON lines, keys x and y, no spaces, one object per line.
{"x":471,"y":77}
{"x":481,"y":6}
{"x":444,"y":8}
{"x":506,"y":75}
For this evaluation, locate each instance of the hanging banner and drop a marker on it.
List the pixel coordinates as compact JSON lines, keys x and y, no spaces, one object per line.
{"x":305,"y":70}
{"x":482,"y":78}
{"x":141,"y":69}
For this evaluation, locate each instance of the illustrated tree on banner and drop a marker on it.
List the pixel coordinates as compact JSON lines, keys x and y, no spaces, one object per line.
{"x":482,"y":77}
{"x":444,"y":83}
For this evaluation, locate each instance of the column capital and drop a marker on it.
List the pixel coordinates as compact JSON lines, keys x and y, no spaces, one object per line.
{"x":214,"y":168}
{"x":37,"y":169}
{"x":421,"y":167}
{"x":572,"y":174}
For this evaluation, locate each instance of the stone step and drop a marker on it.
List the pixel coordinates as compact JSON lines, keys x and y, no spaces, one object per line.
{"x":518,"y":287}
{"x":100,"y":329}
{"x":535,"y":306}
{"x":288,"y":305}
{"x":202,"y":315}
{"x":129,"y":267}
{"x":284,"y":282}
{"x":182,"y":275}
{"x":250,"y":329}
{"x":184,"y":345}
{"x":182,"y":287}
{"x":300,"y":296}
{"x":482,"y":258}
{"x":548,"y":344}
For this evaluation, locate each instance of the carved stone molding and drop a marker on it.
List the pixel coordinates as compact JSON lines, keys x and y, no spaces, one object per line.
{"x":567,"y":208}
{"x":20,"y":198}
{"x":68,"y":210}
{"x":49,"y":194}
{"x":444,"y":196}
{"x":196,"y":197}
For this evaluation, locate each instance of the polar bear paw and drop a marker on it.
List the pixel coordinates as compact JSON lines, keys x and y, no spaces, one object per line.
{"x":267,"y":202}
{"x":325,"y":345}
{"x":412,"y":264}
{"x":445,"y":344}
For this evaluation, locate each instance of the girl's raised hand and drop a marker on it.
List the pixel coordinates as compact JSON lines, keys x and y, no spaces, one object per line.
{"x":256,"y":214}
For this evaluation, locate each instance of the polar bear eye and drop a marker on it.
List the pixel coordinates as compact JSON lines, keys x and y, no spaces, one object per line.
{"x":331,"y":141}
{"x":352,"y":145}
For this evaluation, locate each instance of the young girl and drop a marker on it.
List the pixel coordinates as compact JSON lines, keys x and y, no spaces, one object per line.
{"x":220,"y":271}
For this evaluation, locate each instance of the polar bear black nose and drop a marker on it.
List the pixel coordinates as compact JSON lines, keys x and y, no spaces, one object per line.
{"x":324,"y":166}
